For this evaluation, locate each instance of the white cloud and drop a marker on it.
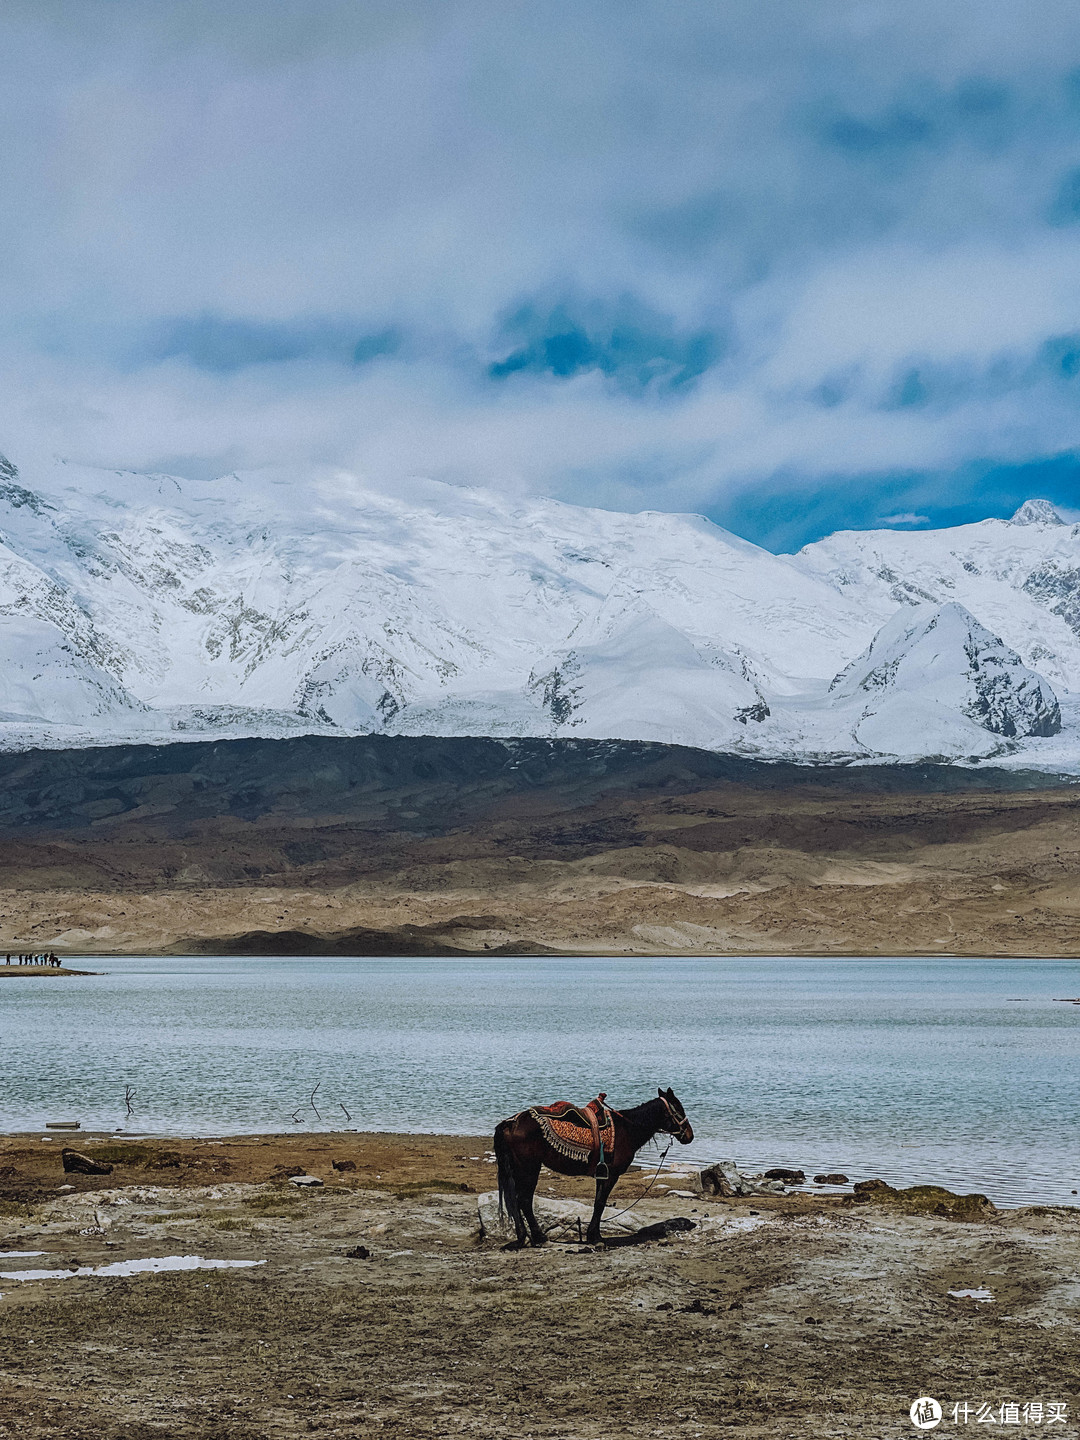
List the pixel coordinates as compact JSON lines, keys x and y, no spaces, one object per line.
{"x":861,"y":188}
{"x":884,"y":305}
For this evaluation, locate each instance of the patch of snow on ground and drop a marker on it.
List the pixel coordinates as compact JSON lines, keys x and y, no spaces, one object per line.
{"x":157,"y":1265}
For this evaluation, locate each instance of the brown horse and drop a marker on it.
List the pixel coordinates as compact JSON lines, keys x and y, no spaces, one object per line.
{"x":521,"y":1149}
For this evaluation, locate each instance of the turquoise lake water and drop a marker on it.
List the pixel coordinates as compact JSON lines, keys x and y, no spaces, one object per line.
{"x":957,"y":1072}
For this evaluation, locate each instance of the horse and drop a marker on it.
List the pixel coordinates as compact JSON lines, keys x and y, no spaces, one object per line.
{"x":521,"y":1148}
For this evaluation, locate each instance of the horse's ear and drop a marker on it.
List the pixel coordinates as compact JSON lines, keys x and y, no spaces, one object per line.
{"x":660,"y":1092}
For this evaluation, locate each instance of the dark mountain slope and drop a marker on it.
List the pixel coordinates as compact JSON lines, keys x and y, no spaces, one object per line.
{"x":390,"y":845}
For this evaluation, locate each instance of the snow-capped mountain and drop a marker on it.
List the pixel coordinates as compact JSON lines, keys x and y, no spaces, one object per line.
{"x":45,"y":678}
{"x":934,"y":678}
{"x":1020,"y":577}
{"x":139,"y":606}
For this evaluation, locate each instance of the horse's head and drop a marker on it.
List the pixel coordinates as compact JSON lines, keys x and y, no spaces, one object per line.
{"x":676,"y":1123}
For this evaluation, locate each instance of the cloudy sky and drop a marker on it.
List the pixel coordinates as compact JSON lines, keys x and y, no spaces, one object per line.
{"x":795,"y":266}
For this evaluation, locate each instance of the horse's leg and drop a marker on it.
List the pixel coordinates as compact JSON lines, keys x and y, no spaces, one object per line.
{"x":603,"y":1190}
{"x":527,"y":1177}
{"x":509,"y":1168}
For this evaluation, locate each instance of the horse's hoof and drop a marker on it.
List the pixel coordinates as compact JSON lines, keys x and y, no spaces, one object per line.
{"x":513,"y":1245}
{"x":540,"y":1239}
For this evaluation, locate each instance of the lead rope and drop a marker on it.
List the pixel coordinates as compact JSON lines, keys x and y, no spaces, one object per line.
{"x":648,"y":1187}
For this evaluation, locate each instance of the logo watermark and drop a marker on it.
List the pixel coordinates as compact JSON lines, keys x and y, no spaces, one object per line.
{"x":927,"y":1413}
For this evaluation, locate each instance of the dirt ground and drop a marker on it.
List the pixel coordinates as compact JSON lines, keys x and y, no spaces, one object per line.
{"x":796,"y":1316}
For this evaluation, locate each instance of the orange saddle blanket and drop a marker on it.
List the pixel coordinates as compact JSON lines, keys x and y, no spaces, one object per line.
{"x":577,"y":1131}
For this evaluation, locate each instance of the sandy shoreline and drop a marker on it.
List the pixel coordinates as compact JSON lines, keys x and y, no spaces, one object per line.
{"x":9,"y":971}
{"x":524,"y":952}
{"x":800,"y":1315}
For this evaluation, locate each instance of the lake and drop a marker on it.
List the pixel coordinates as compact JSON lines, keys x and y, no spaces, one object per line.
{"x":964,"y":1073}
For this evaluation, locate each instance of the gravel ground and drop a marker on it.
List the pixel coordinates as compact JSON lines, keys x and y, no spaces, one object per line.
{"x":797,"y":1316}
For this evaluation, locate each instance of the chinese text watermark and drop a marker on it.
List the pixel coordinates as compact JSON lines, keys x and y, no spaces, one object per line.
{"x":927,"y":1413}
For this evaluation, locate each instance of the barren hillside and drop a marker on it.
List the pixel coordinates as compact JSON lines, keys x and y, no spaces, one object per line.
{"x":409,"y":845}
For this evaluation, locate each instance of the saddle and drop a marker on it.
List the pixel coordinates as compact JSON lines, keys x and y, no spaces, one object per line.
{"x":577,"y":1131}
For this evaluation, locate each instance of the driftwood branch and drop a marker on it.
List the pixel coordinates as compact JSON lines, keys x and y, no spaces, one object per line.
{"x":310,"y":1102}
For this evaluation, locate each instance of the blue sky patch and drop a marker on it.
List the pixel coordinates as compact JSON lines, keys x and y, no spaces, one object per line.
{"x":219,"y":345}
{"x":791,"y":511}
{"x":627,"y":342}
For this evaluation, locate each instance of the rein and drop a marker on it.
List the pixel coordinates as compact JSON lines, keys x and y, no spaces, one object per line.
{"x":648,"y":1187}
{"x":675,"y":1121}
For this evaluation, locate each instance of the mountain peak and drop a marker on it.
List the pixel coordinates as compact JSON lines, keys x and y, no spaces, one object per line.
{"x":928,"y":666}
{"x":1036,"y":512}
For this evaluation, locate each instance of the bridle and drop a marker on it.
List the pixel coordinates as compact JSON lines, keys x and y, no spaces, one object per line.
{"x":679,"y":1123}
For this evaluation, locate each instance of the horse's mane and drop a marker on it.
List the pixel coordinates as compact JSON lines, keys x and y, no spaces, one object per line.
{"x":640,"y":1114}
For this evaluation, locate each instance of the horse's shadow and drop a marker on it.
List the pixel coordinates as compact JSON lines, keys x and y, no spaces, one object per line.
{"x":661,"y":1230}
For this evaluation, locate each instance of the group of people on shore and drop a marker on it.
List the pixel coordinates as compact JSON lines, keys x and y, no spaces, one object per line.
{"x":50,"y":959}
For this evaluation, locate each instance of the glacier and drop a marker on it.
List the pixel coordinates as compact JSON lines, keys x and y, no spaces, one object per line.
{"x":152,"y":607}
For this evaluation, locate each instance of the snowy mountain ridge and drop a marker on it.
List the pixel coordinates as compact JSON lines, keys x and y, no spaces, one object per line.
{"x":140,"y":606}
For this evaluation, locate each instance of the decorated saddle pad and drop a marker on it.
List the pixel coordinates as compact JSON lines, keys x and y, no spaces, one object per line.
{"x":567,"y":1130}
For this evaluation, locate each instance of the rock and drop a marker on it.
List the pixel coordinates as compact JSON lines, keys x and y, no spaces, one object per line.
{"x":696,"y":1308}
{"x":286,"y":1172}
{"x":925,"y":1200}
{"x":832,"y":1179}
{"x":721,"y":1179}
{"x":724,"y":1179}
{"x":343,"y":1164}
{"x":306,"y":1181}
{"x":787,"y":1177}
{"x":934,"y":1200}
{"x":565,"y":1220}
{"x":64,"y":1189}
{"x":867,"y":1187}
{"x":359,"y":1252}
{"x":76,"y":1163}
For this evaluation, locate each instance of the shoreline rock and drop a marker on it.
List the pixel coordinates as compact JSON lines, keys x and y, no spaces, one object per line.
{"x":725,"y":1179}
{"x":924,"y":1200}
{"x":76,"y":1163}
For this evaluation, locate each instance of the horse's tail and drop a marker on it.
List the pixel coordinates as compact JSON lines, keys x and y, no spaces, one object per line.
{"x":508,"y":1196}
